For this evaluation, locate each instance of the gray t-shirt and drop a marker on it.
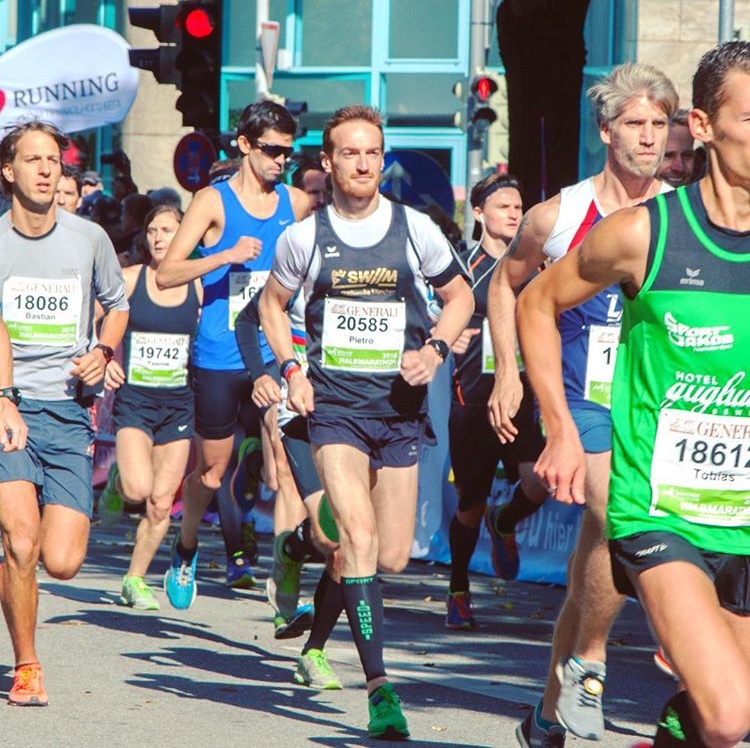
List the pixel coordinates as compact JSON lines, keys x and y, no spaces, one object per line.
{"x":48,"y":286}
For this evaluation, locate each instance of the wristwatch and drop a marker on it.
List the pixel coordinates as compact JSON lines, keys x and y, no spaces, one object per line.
{"x":109,"y":354}
{"x":12,"y":393}
{"x":440,"y":346}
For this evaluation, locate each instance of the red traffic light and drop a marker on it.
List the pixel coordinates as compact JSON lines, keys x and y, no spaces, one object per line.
{"x":198,"y":23}
{"x":483,"y":87}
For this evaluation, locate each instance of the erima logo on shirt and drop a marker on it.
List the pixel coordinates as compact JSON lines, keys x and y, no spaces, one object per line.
{"x":718,"y":338}
{"x":332,"y":251}
{"x":691,"y":278}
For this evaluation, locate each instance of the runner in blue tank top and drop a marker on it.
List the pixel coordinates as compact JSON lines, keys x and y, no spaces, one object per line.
{"x":235,"y":225}
{"x":633,"y":106}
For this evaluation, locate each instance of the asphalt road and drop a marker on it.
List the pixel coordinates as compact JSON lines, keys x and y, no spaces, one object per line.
{"x":215,"y":676}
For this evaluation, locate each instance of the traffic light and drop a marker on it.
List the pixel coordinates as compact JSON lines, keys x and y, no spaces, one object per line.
{"x":189,"y":56}
{"x":160,"y":61}
{"x":199,"y":63}
{"x":480,"y":112}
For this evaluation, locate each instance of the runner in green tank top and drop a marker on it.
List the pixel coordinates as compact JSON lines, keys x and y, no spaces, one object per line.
{"x":679,"y":505}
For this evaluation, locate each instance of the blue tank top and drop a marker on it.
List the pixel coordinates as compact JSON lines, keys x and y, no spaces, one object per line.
{"x":364,"y":310}
{"x":227,"y":289}
{"x":159,"y":336}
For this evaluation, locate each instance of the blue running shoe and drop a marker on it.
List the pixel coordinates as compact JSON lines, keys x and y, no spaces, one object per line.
{"x":460,"y":617}
{"x":179,"y":581}
{"x":240,"y":572}
{"x":299,"y":622}
{"x":243,"y":485}
{"x":505,"y":560}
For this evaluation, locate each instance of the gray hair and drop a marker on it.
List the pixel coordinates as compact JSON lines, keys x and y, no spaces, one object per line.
{"x":627,"y":82}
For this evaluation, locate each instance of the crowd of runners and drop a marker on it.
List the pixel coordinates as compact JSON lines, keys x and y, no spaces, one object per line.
{"x":598,"y":346}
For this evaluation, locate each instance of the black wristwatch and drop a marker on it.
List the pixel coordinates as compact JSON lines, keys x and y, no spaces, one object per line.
{"x":12,"y":393}
{"x":440,"y":346}
{"x":109,"y":354}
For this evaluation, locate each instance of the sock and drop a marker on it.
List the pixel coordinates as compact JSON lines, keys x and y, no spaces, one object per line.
{"x":299,"y":544}
{"x":186,"y":554}
{"x":463,"y":541}
{"x":364,"y":609}
{"x":518,"y":508}
{"x":545,"y":724}
{"x":676,"y":728}
{"x":329,"y":602}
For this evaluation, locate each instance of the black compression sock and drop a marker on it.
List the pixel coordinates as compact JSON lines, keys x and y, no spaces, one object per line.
{"x":299,"y":545}
{"x":463,"y":541}
{"x":363,"y":603}
{"x":329,"y":602}
{"x":518,"y":508}
{"x":676,"y":728}
{"x":186,"y":554}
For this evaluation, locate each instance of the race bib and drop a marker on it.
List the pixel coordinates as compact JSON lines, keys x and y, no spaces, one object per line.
{"x":600,"y":363}
{"x":158,"y":359}
{"x":42,"y":311}
{"x":701,"y":468}
{"x":243,"y":286}
{"x":488,"y":353}
{"x":363,"y":336}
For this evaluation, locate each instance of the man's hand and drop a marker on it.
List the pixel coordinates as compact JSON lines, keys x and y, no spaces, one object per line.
{"x":562,"y":468}
{"x":114,"y":376}
{"x":266,"y":392}
{"x":300,"y":398}
{"x":503,"y":405}
{"x":419,"y":367}
{"x":89,"y":368}
{"x":247,"y":248}
{"x":13,"y":429}
{"x":464,"y":339}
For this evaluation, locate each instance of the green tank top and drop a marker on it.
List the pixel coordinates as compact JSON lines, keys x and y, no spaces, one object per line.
{"x":681,"y":389}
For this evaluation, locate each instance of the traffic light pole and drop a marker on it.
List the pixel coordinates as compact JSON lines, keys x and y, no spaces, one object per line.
{"x":261,"y":80}
{"x":478,"y":46}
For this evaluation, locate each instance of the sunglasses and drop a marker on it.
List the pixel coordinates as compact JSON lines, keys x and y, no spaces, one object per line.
{"x":274,"y":151}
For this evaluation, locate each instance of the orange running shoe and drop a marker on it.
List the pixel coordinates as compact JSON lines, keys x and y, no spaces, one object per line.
{"x":28,"y":688}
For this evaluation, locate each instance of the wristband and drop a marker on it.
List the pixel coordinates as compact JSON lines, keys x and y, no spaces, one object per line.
{"x":288,"y":368}
{"x":12,"y":394}
{"x":109,"y":354}
{"x":439,"y":346}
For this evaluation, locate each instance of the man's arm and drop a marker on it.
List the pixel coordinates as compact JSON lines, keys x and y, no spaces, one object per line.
{"x":614,"y":251}
{"x":13,"y":430}
{"x":419,"y":367}
{"x":524,"y":255}
{"x":203,"y":220}
{"x":275,"y":322}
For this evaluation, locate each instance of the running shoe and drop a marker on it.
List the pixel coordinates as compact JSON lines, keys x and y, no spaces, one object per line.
{"x":460,"y":617}
{"x":179,"y":581}
{"x":240,"y":572}
{"x":137,"y":594}
{"x":282,"y":587}
{"x":579,"y":706}
{"x":386,"y":719}
{"x":505,"y":559}
{"x":661,"y":661}
{"x":248,"y":541}
{"x":111,"y":502}
{"x":299,"y":622}
{"x":313,"y":670}
{"x":530,"y":734}
{"x":28,"y":686}
{"x":246,"y":476}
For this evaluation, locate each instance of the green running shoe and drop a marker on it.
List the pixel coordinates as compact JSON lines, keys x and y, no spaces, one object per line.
{"x":386,"y":719}
{"x":314,"y":670}
{"x":111,"y":503}
{"x":282,"y":587}
{"x":137,"y":594}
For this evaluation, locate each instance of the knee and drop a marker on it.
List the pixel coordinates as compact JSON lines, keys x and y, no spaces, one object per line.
{"x":62,"y":566}
{"x":393,"y":560}
{"x":210,"y":480}
{"x":134,"y":490}
{"x":361,"y":542}
{"x":158,"y":508}
{"x":727,"y":721}
{"x":22,"y":548}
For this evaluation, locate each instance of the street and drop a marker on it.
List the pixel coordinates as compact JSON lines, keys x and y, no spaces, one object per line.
{"x":214,"y":675}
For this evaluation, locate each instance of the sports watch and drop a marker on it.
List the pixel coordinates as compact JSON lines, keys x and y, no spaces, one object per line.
{"x":109,"y":354}
{"x":11,"y":393}
{"x":440,"y":347}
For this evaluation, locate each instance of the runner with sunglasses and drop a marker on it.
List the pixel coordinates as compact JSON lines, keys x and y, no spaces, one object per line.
{"x":235,"y":225}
